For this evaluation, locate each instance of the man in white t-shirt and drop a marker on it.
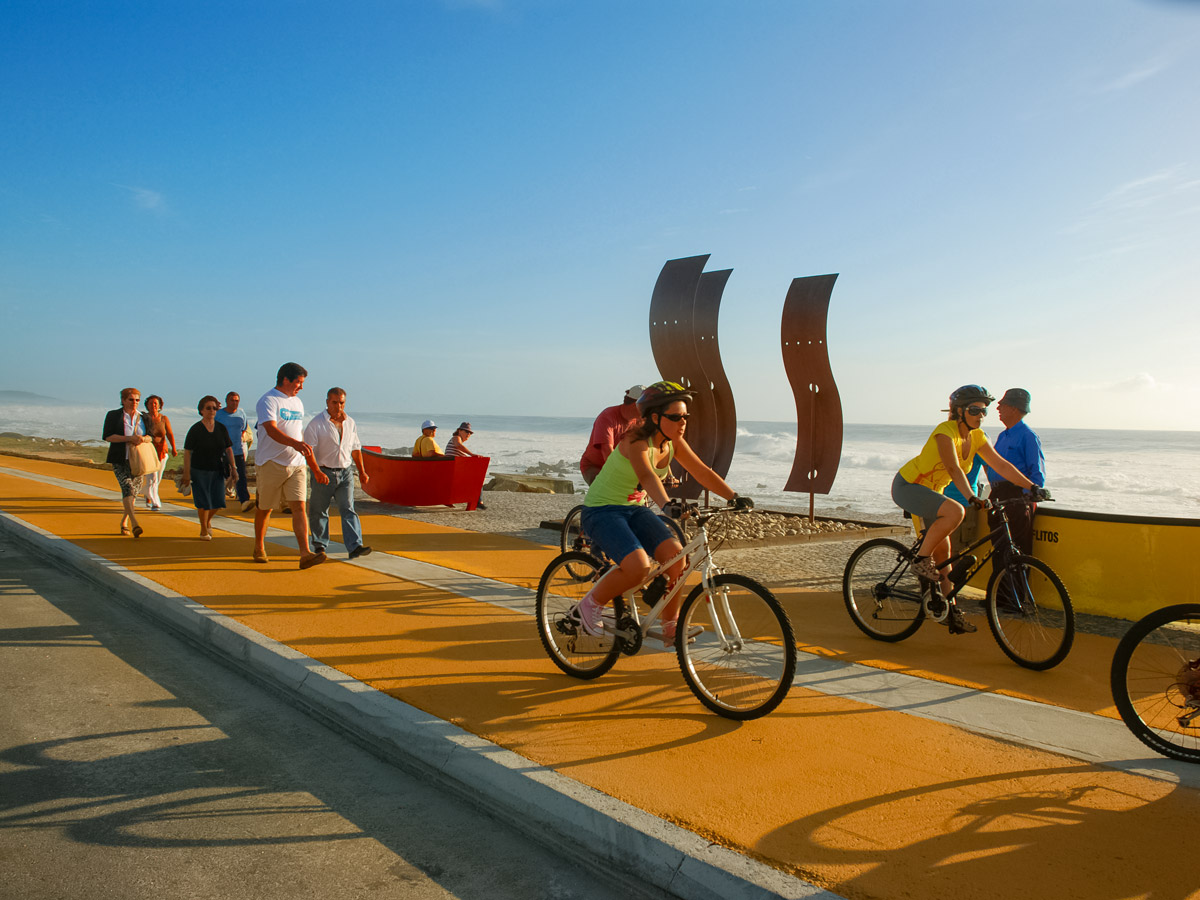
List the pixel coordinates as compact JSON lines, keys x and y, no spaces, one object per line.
{"x":280,"y":462}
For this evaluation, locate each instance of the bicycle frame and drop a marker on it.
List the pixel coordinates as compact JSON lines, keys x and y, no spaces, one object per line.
{"x":1001,"y":529}
{"x":703,"y":564}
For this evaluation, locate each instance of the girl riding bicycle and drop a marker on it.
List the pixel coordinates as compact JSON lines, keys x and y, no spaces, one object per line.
{"x":613,"y":514}
{"x":947,"y":456}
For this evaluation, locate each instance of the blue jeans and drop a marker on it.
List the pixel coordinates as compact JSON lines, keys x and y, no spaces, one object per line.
{"x":341,"y":490}
{"x":243,"y":492}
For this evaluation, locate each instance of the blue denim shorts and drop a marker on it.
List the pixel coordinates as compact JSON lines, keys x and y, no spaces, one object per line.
{"x":917,"y":499}
{"x":620,"y":530}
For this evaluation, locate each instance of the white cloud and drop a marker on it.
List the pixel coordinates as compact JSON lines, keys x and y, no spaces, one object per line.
{"x":1141,"y":383}
{"x":144,"y":198}
{"x":1136,"y":75}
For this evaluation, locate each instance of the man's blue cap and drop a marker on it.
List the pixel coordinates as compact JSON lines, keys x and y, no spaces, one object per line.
{"x":1018,"y":399}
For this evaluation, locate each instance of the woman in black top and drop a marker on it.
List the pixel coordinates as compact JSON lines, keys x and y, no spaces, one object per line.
{"x":206,"y":443}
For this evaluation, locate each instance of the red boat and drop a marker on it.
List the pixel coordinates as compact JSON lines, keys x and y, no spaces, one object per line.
{"x":424,"y":482}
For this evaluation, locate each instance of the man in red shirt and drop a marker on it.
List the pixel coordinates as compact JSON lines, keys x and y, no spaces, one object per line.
{"x":609,"y":428}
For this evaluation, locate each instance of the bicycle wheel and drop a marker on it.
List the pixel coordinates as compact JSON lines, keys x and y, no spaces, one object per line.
{"x":741,"y":666}
{"x":564,"y":583}
{"x":572,"y":537}
{"x":882,"y":594}
{"x":1030,"y":614}
{"x":1156,"y":681}
{"x":676,"y":529}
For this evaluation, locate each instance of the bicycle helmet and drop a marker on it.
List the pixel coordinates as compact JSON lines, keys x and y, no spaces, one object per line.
{"x":968,"y":394}
{"x":660,"y":394}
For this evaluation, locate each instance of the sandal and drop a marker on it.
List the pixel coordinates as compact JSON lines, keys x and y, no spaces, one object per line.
{"x":125,"y":530}
{"x":137,"y":531}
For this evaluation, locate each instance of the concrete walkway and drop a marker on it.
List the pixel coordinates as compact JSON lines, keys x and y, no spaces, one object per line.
{"x":933,"y":767}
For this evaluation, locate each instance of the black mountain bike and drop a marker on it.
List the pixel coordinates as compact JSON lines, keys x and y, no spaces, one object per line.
{"x":1156,"y":681}
{"x":1028,"y":609}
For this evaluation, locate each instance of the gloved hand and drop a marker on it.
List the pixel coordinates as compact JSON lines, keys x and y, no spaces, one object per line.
{"x":1038,"y":494}
{"x":740,"y":502}
{"x":977,"y":502}
{"x":674,"y":509}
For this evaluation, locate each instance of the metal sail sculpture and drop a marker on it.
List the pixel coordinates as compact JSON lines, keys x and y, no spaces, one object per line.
{"x":818,"y":405}
{"x":683,"y":337}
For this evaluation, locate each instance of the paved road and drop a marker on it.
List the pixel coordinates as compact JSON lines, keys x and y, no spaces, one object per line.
{"x":132,"y":765}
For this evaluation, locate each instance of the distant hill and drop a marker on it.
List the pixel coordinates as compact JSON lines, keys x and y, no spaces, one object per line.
{"x":26,"y":397}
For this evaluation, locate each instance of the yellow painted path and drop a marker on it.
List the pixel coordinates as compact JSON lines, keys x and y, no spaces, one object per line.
{"x":868,"y":802}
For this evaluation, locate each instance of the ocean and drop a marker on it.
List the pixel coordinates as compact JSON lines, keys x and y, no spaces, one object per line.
{"x":1155,"y":473}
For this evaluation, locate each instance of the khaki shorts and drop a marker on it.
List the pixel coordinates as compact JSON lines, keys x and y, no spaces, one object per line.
{"x":278,"y":485}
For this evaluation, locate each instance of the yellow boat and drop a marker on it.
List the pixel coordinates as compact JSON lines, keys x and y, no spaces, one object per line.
{"x":1119,"y":566}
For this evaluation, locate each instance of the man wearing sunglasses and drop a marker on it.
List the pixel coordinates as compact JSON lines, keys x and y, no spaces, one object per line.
{"x":1021,"y":446}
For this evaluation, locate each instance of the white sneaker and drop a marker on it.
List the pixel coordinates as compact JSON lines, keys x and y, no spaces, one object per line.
{"x":588,"y":613}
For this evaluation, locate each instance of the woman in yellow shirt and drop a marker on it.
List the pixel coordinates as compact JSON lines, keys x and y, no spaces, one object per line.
{"x":947,"y":456}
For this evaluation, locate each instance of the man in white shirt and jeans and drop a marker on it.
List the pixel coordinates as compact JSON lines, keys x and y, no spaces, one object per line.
{"x":334,"y":439}
{"x":280,"y":460}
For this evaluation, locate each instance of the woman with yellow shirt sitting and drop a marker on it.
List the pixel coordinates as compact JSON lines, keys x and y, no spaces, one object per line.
{"x":946,"y":457}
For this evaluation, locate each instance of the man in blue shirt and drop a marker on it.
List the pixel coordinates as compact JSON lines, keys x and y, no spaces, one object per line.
{"x":1020,"y":446}
{"x":236,"y":424}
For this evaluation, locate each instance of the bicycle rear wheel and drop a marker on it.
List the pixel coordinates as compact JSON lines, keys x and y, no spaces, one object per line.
{"x":1155,"y":681}
{"x":564,"y":583}
{"x":571,"y":537}
{"x":742,"y":664}
{"x":883,"y":596}
{"x":1030,"y":614}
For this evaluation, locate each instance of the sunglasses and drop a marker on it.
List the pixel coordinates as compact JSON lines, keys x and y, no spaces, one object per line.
{"x":210,"y":406}
{"x":977,"y":410}
{"x":676,"y":417}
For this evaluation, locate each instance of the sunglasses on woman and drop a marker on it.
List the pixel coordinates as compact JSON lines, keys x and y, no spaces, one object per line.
{"x":977,"y":410}
{"x":676,"y":417}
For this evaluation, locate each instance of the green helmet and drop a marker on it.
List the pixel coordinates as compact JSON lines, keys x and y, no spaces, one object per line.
{"x":660,"y":394}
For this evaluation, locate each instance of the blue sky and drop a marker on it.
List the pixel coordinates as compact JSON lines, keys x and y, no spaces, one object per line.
{"x":465,"y":205}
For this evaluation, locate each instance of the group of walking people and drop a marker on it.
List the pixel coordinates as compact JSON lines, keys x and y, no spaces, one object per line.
{"x":214,"y":462}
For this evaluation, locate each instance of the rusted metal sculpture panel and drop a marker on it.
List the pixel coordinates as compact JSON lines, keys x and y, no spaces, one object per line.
{"x":683,"y":332}
{"x":818,"y":405}
{"x":724,"y":413}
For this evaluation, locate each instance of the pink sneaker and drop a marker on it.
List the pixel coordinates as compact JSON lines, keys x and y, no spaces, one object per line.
{"x":588,"y":615}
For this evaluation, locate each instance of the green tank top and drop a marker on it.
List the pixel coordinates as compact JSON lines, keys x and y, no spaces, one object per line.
{"x":617,"y":483}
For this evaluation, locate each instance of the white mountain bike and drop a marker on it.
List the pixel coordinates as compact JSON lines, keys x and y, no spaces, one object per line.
{"x":740,"y":658}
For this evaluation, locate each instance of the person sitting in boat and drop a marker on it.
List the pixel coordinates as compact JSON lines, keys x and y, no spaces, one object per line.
{"x":613,"y":514}
{"x":426,"y":447}
{"x":947,"y":456}
{"x":457,"y":445}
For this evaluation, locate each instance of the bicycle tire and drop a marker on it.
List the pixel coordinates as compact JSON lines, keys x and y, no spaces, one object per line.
{"x":738,"y":678}
{"x":1037,"y":635}
{"x":571,"y":536}
{"x":882,"y":595}
{"x":564,"y":583}
{"x":676,"y":529}
{"x":1146,"y":684}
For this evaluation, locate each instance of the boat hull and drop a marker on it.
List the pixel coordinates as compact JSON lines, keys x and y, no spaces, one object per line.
{"x":405,"y":481}
{"x":1118,"y":566}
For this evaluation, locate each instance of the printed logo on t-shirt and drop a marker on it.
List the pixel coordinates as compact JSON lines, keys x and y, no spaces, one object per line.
{"x":290,"y":415}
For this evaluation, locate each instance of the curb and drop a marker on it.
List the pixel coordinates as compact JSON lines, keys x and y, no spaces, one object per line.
{"x":551,"y":808}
